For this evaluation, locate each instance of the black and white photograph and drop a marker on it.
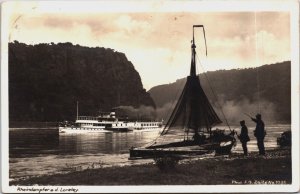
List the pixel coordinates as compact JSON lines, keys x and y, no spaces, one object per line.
{"x":149,"y":96}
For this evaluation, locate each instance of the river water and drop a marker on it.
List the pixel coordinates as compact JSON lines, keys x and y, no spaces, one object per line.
{"x":38,"y":151}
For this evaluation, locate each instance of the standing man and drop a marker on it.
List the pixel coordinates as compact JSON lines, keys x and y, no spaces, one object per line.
{"x":244,"y":138}
{"x":259,"y":133}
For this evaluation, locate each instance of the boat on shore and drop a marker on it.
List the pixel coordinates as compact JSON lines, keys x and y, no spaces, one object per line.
{"x":188,"y":132}
{"x":106,"y":122}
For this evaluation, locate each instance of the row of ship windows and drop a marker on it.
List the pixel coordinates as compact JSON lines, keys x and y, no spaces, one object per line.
{"x":151,"y":124}
{"x":86,"y":129}
{"x":143,"y":125}
{"x":100,"y":129}
{"x":87,"y":118}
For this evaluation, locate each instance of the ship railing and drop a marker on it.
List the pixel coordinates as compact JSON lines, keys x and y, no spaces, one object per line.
{"x":87,"y":118}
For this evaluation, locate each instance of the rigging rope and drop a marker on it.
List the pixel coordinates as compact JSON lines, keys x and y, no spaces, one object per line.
{"x":214,"y":94}
{"x":166,"y":114}
{"x":256,"y":61}
{"x":175,"y":100}
{"x":205,"y":41}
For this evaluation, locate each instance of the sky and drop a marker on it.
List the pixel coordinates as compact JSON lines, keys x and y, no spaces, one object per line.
{"x":156,"y":39}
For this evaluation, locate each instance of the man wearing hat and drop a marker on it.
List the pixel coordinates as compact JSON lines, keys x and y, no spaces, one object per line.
{"x":244,"y":138}
{"x":259,"y":133}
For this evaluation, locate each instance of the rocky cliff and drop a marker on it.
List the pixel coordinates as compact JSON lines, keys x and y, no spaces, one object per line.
{"x":46,"y":80}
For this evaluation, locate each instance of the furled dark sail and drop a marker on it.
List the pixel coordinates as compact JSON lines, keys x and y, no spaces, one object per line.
{"x":185,"y":131}
{"x":193,"y":111}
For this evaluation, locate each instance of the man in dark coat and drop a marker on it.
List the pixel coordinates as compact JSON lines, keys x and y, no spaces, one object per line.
{"x":259,"y":133}
{"x":244,"y":138}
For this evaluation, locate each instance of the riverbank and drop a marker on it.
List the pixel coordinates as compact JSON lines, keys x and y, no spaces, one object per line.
{"x":274,"y":168}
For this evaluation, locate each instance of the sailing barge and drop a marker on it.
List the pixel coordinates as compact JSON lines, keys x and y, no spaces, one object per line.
{"x":188,"y":131}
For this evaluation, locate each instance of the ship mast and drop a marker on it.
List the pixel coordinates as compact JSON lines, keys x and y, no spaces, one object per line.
{"x":77,"y":111}
{"x":193,"y":61}
{"x":194,"y":102}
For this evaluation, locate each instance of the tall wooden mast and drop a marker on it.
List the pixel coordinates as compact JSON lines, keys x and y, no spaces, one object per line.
{"x":193,"y":61}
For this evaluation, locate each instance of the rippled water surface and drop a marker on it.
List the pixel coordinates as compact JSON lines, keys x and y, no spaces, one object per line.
{"x":44,"y":151}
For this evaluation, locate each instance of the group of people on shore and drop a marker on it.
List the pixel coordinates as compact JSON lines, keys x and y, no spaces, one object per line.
{"x":259,"y":133}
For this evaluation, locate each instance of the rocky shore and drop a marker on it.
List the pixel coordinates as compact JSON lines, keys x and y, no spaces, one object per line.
{"x":273,"y":168}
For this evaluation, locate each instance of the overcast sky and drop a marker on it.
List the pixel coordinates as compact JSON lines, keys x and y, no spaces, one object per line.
{"x":158,"y":43}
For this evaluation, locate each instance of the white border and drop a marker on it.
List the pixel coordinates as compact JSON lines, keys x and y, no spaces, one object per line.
{"x":162,"y":6}
{"x":4,"y":101}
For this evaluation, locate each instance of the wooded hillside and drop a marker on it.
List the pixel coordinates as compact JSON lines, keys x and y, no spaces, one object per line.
{"x":266,"y":88}
{"x":46,"y":80}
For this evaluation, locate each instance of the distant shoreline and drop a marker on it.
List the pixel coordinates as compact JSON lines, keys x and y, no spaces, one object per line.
{"x":32,"y":124}
{"x":274,"y":168}
{"x":18,"y":128}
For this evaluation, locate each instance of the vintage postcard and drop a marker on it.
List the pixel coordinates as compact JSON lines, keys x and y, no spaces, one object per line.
{"x":149,"y":96}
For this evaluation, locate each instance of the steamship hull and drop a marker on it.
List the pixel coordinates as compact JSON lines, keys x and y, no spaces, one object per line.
{"x":81,"y":130}
{"x":106,"y":122}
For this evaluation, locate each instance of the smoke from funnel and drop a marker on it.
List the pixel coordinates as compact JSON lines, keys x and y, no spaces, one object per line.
{"x":233,"y":111}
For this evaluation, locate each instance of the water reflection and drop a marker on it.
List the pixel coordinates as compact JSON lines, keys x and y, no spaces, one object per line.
{"x":44,"y":151}
{"x":34,"y":142}
{"x":106,"y":143}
